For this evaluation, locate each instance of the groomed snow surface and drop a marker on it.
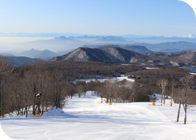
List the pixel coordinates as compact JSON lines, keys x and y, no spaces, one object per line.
{"x":86,"y":119}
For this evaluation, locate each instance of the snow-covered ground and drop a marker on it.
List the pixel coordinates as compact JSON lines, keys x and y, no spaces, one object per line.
{"x":151,"y":68}
{"x":122,"y":77}
{"x":125,"y":78}
{"x":86,"y":119}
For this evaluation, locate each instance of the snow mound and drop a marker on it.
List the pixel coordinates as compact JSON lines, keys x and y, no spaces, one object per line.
{"x":55,"y":112}
{"x":58,"y":113}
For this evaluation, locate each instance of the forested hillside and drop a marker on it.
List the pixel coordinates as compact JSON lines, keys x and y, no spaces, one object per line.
{"x":57,"y":80}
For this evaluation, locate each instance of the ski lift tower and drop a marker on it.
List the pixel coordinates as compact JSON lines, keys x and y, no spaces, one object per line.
{"x":36,"y":106}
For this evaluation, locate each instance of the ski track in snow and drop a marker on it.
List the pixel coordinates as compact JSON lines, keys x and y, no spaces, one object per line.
{"x":85,"y":119}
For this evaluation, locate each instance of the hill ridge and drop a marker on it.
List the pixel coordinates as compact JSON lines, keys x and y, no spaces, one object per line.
{"x":103,"y":54}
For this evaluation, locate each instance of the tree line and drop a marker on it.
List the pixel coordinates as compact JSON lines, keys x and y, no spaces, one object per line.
{"x":175,"y":82}
{"x":60,"y":80}
{"x":54,"y":80}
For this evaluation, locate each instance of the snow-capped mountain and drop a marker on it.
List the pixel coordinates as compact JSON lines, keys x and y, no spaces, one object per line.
{"x":103,"y":54}
{"x":190,"y":36}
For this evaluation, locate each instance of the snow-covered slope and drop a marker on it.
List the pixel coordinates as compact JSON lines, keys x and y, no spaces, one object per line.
{"x":86,"y":119}
{"x":102,"y":54}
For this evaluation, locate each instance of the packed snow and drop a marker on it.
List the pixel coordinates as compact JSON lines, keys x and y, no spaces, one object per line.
{"x":86,"y":119}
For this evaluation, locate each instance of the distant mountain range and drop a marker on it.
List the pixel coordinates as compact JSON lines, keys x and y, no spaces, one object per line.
{"x":62,"y":37}
{"x":153,"y":43}
{"x":45,"y":54}
{"x":112,"y":53}
{"x":84,"y":35}
{"x":169,"y":46}
{"x":146,"y":48}
{"x":190,"y":36}
{"x":119,"y":45}
{"x":138,"y":49}
{"x":111,"y":39}
{"x":121,"y":55}
{"x":56,"y":44}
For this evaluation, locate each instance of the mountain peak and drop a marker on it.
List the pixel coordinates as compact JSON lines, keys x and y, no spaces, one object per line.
{"x":32,"y":49}
{"x":61,"y":37}
{"x":46,"y":50}
{"x":103,"y":54}
{"x":45,"y":54}
{"x":190,"y":36}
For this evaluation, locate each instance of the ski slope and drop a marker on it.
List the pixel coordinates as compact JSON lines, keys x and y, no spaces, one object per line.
{"x":86,"y":119}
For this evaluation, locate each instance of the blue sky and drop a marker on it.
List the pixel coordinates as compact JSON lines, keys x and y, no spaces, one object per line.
{"x":101,"y":17}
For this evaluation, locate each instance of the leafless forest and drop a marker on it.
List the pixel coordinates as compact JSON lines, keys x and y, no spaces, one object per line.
{"x":60,"y":80}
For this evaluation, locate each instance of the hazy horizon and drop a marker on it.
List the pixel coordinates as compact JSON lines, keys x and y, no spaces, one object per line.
{"x":111,"y":17}
{"x":29,"y":24}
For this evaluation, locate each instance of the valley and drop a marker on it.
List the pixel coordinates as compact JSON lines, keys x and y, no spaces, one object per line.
{"x":97,"y":70}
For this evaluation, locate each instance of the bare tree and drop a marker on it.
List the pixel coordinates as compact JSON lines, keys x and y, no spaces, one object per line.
{"x":179,"y":102}
{"x":186,"y":82}
{"x":162,"y":83}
